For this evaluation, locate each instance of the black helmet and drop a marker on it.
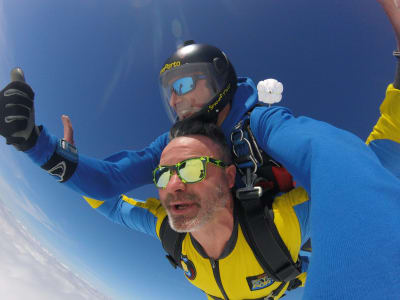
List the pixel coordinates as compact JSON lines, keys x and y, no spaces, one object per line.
{"x":189,"y":64}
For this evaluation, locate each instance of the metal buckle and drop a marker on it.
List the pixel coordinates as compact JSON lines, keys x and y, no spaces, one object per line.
{"x":242,"y":139}
{"x":249,"y":192}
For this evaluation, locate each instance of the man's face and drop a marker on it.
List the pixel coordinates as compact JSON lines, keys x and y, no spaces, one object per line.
{"x":191,"y":102}
{"x":190,"y":206}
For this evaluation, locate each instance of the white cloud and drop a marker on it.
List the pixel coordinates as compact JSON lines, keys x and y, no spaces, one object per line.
{"x":28,"y":271}
{"x":17,"y":196}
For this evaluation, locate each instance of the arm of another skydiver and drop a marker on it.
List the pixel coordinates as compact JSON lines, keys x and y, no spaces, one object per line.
{"x":355,"y":202}
{"x":392,"y":10}
{"x":98,"y":178}
{"x":312,"y":150}
{"x":142,"y":216}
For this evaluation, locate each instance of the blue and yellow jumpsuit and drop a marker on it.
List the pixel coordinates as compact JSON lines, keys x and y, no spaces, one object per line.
{"x":236,"y":274}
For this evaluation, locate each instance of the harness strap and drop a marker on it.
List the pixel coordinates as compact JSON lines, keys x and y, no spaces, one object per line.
{"x":263,"y":179}
{"x":269,"y":249}
{"x":257,"y":167}
{"x":172,"y":243}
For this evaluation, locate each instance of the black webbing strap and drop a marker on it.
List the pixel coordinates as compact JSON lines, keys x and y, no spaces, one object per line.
{"x":262,"y":235}
{"x":171,"y":242}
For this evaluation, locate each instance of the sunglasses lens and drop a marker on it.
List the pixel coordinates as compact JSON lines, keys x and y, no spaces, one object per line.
{"x":192,"y":170}
{"x":161,"y":177}
{"x":183,"y":85}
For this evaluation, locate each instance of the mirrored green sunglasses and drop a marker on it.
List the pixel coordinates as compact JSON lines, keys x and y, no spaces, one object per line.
{"x":190,"y":170}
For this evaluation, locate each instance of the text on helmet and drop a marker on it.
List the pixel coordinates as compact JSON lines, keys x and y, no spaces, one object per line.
{"x":221,"y":95}
{"x":170,"y":66}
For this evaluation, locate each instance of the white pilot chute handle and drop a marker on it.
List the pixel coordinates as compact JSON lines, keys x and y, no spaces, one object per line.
{"x":270,"y":91}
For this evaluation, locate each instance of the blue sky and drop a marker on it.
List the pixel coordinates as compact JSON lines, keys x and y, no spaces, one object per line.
{"x":98,"y":62}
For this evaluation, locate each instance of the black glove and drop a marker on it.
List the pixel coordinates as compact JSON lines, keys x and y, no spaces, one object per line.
{"x":17,"y":116}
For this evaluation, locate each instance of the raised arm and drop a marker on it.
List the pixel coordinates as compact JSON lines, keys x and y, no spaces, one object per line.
{"x":392,"y":10}
{"x":96,"y":178}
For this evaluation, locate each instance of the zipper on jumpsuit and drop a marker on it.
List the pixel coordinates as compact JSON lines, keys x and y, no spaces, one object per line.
{"x":217,"y":276}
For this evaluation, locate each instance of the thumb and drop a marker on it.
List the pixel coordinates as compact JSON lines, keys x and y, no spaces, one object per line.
{"x":17,"y":75}
{"x":68,"y":130}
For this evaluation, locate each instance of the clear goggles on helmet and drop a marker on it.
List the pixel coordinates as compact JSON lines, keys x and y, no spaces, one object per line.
{"x":190,"y":170}
{"x":181,"y":81}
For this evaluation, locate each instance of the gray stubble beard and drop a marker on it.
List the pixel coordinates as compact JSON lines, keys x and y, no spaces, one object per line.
{"x":184,"y":224}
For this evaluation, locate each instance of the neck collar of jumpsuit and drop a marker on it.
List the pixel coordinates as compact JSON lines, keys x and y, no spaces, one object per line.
{"x":246,"y":97}
{"x":230,"y":244}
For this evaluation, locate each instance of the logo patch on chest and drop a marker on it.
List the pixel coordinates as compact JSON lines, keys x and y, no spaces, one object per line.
{"x":188,"y":268}
{"x":259,"y":282}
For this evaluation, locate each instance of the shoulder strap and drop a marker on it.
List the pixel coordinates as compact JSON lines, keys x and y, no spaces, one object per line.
{"x":263,"y":237}
{"x":259,"y":229}
{"x":171,"y":242}
{"x":255,"y":165}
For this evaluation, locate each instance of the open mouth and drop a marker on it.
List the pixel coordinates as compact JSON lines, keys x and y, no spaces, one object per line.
{"x":181,"y":208}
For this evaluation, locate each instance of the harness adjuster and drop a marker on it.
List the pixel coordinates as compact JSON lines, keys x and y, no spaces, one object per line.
{"x":288,"y":272}
{"x":172,"y":261}
{"x":249,"y":192}
{"x":294,"y":284}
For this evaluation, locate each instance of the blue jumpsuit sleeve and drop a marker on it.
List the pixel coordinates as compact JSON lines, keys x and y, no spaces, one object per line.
{"x":134,"y":214}
{"x":106,"y":178}
{"x":355,"y":209}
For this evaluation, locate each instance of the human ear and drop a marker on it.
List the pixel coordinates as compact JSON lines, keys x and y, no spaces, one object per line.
{"x":230,"y":172}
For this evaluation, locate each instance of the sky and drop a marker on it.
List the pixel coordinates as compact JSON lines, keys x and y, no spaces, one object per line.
{"x":98,"y":62}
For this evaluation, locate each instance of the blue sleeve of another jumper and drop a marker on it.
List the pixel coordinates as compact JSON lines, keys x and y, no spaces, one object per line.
{"x":128,"y":215}
{"x":355,"y":209}
{"x":117,"y":174}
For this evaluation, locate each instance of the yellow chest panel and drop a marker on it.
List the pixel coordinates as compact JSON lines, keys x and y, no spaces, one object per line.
{"x":239,"y":273}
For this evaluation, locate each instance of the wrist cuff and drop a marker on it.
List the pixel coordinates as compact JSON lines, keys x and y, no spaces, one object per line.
{"x":63,"y":162}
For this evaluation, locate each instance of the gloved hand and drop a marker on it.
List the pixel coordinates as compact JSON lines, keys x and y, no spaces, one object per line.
{"x":17,"y":116}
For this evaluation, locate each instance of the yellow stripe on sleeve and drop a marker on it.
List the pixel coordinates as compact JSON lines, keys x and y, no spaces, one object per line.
{"x":93,"y":202}
{"x":154,"y":206}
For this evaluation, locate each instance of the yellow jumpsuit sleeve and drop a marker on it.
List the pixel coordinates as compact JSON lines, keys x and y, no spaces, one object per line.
{"x":388,"y":125}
